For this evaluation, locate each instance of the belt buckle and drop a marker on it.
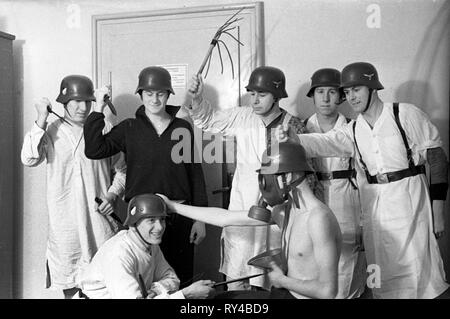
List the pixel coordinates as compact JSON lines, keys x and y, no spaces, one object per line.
{"x":326,"y":176}
{"x":382,"y":178}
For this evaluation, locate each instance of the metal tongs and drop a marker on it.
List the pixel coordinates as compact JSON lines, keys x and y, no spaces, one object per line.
{"x":234,"y":280}
{"x":49,"y":109}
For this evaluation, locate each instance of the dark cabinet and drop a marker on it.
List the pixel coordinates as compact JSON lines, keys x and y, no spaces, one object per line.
{"x":7,"y":166}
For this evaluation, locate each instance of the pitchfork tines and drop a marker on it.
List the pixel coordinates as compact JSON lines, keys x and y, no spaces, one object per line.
{"x":224,"y":29}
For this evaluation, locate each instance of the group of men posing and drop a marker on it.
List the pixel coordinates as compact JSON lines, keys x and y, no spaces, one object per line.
{"x":351,"y":193}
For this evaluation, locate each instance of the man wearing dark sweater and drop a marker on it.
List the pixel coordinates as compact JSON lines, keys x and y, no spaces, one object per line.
{"x":147,"y":143}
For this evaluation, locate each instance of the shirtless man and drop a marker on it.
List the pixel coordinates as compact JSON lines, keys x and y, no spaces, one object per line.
{"x":311,"y":237}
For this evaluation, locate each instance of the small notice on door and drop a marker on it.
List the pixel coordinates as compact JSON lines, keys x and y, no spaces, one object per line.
{"x":179,"y":73}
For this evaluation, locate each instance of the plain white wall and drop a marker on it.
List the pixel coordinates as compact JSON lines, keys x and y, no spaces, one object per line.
{"x":410,"y":49}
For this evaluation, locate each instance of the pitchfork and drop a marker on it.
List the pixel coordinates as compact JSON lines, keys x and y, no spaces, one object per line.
{"x":224,"y":29}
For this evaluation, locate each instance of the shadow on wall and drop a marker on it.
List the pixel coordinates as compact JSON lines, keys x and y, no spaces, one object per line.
{"x":435,"y":36}
{"x":126,"y":106}
{"x":18,"y":169}
{"x":421,"y":94}
{"x":304,"y":106}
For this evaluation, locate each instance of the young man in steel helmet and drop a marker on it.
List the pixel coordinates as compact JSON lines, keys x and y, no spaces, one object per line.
{"x":132,"y":265}
{"x":148,"y":140}
{"x":393,"y":142}
{"x":310,"y":236}
{"x":253,"y":127}
{"x":338,"y":177}
{"x":76,"y":230}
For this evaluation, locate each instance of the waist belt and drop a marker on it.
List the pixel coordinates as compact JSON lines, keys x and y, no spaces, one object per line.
{"x":395,"y":176}
{"x":351,"y":173}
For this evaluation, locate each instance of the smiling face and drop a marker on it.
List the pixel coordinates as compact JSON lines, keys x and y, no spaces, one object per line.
{"x":155,"y":101}
{"x":77,"y":111}
{"x":261,"y":102}
{"x":152,"y":229}
{"x":326,"y":100}
{"x":357,"y":97}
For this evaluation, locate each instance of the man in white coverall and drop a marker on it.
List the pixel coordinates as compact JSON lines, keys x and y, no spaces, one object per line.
{"x":338,"y":176}
{"x":77,"y":224}
{"x":131,"y":264}
{"x":400,"y":211}
{"x":253,"y":127}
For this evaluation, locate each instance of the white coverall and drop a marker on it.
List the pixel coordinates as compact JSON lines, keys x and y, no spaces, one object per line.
{"x":76,"y":229}
{"x":115,"y":269}
{"x":397,"y":217}
{"x":241,"y":243}
{"x":343,"y":199}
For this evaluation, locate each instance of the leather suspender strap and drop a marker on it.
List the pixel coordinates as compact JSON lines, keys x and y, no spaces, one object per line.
{"x":350,"y":178}
{"x":402,"y":132}
{"x":412,"y":170}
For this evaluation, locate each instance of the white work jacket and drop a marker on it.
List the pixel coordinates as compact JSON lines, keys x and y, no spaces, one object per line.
{"x":76,"y":230}
{"x":401,"y":249}
{"x":241,"y":243}
{"x":343,"y":199}
{"x":126,"y":268}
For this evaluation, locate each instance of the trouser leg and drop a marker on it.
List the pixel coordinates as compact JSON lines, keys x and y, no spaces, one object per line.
{"x":177,"y":249}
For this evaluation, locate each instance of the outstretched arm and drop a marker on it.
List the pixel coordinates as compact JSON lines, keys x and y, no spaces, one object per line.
{"x":335,"y":143}
{"x":213,"y":215}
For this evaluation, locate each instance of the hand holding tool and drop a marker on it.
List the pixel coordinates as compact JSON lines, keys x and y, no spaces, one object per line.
{"x":107,"y":98}
{"x":113,"y":215}
{"x":49,"y":109}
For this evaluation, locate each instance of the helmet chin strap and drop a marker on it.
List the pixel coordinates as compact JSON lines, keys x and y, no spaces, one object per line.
{"x":368,"y":101}
{"x":139,"y":233}
{"x":293,"y":187}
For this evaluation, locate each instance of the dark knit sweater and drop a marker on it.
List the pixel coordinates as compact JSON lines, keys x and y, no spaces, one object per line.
{"x":150,"y":168}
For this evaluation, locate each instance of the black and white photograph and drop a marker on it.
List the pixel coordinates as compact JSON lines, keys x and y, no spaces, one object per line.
{"x":238,"y":153}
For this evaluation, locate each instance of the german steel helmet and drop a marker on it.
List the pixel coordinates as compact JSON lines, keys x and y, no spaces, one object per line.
{"x":324,"y":77}
{"x":145,"y":206}
{"x":268,"y":79}
{"x":76,"y":87}
{"x":154,"y":78}
{"x":284,"y":158}
{"x":360,"y":73}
